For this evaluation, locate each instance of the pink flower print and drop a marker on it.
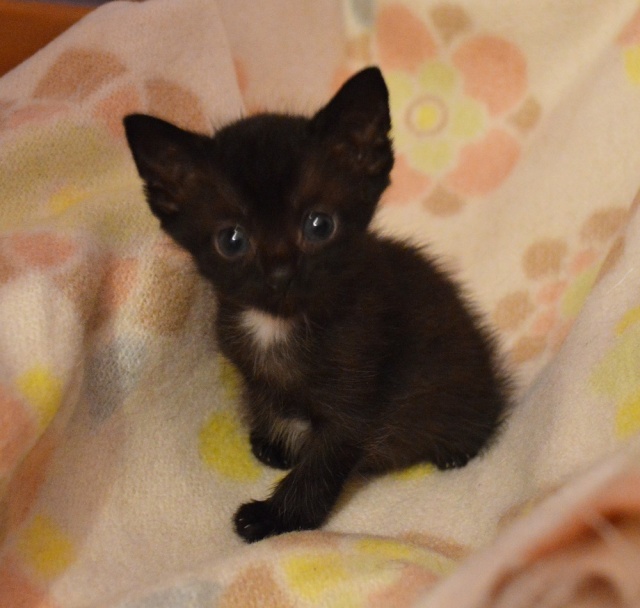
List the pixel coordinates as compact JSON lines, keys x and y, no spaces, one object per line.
{"x":403,"y":40}
{"x":454,"y":107}
{"x":560,"y":273}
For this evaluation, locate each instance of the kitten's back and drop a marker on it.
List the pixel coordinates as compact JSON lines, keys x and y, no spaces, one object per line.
{"x":441,"y":368}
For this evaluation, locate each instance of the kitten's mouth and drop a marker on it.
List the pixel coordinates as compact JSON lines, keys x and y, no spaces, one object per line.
{"x":286,"y":307}
{"x":283,"y":303}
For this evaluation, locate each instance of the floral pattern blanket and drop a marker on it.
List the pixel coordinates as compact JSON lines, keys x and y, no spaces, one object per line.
{"x":122,"y":458}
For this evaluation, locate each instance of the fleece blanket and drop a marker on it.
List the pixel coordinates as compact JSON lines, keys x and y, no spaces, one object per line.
{"x":122,"y":457}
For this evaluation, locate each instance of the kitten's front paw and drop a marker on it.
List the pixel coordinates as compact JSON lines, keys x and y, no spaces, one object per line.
{"x":254,"y":521}
{"x":269,"y":453}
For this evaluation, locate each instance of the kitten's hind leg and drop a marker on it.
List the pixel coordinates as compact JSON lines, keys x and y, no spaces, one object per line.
{"x":458,"y":451}
{"x":452,"y":461}
{"x":305,"y":497}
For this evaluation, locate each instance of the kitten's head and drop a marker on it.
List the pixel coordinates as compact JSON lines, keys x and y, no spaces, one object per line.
{"x":273,"y":208}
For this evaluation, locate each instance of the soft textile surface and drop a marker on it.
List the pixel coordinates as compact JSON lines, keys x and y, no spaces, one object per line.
{"x":122,"y":458}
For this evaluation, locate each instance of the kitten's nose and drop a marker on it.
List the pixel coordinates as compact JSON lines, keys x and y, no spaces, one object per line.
{"x":280,"y":276}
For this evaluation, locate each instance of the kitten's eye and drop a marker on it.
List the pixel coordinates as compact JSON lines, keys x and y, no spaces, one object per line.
{"x":318,"y":227}
{"x":232,"y":242}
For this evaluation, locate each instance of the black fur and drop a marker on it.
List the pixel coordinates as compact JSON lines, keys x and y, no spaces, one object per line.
{"x":379,"y":363}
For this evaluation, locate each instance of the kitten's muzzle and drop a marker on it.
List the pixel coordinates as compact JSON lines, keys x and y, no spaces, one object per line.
{"x":279,"y":277}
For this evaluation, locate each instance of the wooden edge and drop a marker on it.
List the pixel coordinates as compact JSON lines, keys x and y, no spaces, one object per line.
{"x":25,"y":27}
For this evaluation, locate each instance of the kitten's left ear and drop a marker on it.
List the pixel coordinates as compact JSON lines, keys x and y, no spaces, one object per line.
{"x":357,"y":122}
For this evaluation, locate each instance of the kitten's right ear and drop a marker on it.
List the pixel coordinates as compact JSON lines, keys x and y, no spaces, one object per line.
{"x":167,"y":159}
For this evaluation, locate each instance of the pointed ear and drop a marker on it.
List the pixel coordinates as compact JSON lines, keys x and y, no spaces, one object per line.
{"x":167,"y":159}
{"x":357,"y":122}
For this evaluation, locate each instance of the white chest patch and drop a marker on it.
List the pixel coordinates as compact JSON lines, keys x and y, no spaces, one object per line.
{"x":265,"y":329}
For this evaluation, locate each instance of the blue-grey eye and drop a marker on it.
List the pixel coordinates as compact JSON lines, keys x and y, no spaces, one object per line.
{"x":232,"y":242}
{"x":318,"y":227}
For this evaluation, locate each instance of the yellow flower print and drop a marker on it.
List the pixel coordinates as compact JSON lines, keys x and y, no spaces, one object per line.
{"x":224,"y":447}
{"x":617,"y":377}
{"x":632,"y":64}
{"x":46,"y":548}
{"x":43,"y":391}
{"x":433,"y":118}
{"x":629,"y":39}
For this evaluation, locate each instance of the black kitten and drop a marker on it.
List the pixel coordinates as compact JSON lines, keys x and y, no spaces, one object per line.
{"x":358,"y":355}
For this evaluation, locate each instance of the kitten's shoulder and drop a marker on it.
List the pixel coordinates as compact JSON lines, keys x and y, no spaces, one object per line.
{"x":401,"y":260}
{"x":418,"y":288}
